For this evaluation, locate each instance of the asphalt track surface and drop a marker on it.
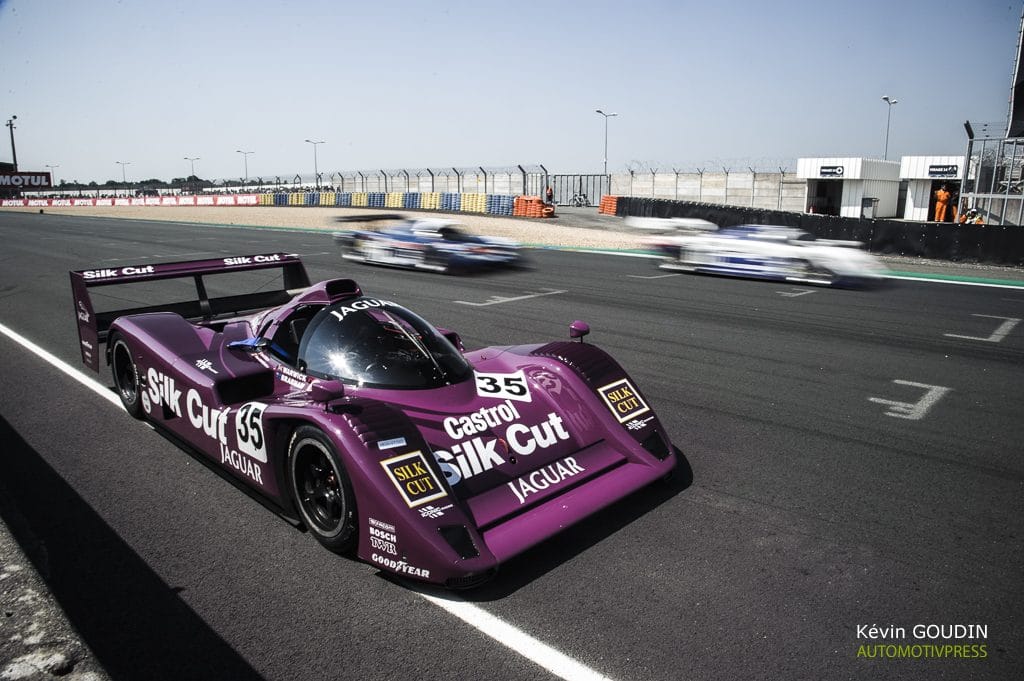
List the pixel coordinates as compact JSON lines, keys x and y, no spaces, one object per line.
{"x":814,"y":506}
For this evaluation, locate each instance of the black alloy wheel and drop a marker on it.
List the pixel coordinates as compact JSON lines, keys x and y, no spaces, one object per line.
{"x":322,"y":490}
{"x":126,"y":376}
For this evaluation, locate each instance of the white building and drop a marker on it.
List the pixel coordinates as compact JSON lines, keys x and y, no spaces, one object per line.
{"x":926,"y":175}
{"x":850,"y":187}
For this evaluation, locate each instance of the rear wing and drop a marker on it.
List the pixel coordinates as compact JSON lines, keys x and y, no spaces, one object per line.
{"x":93,"y":327}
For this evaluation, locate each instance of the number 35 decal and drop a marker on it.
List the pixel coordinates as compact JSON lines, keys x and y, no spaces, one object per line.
{"x":503,"y":386}
{"x":249,"y":428}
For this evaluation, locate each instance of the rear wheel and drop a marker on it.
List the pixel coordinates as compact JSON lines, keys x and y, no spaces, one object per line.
{"x":322,"y":489}
{"x":126,"y":375}
{"x":436,"y":260}
{"x":816,"y":274}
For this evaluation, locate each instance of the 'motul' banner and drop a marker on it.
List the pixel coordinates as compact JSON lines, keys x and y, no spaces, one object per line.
{"x":25,"y":180}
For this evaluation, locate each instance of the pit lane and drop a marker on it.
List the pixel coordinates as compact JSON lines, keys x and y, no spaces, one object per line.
{"x":811,"y":511}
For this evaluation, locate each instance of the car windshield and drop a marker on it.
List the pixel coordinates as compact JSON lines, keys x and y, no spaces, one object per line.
{"x":377,"y":343}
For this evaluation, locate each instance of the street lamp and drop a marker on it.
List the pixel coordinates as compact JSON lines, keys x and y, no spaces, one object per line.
{"x":245,"y":155}
{"x":124,"y":178}
{"x":14,"y":154}
{"x":53,"y":176}
{"x":192,"y":160}
{"x":890,"y":101}
{"x":316,"y":170}
{"x":606,"y":117}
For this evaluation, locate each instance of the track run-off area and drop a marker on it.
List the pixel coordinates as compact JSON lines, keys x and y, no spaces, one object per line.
{"x":854,"y":471}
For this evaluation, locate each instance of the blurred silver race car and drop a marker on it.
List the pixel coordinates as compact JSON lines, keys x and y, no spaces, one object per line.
{"x":426,"y":243}
{"x":760,"y":252}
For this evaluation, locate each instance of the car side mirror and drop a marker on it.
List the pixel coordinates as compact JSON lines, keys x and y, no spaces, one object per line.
{"x":453,"y":337}
{"x":579,"y":329}
{"x":250,"y":345}
{"x":327,"y":390}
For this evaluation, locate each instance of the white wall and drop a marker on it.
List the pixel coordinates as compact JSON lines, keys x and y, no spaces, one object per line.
{"x":918,"y":198}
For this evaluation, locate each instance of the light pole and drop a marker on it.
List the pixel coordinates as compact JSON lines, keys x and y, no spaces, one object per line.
{"x":14,"y":154}
{"x":124,"y":178}
{"x":53,"y":176}
{"x":192,"y":160}
{"x":606,"y":117}
{"x":245,"y":155}
{"x":890,"y":101}
{"x":316,"y":170}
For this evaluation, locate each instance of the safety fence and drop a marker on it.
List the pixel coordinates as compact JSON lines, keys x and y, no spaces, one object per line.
{"x":492,"y":204}
{"x":994,"y":244}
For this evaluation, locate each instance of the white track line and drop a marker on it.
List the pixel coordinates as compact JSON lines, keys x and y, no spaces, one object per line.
{"x":60,"y":364}
{"x":515,"y":639}
{"x":558,"y":663}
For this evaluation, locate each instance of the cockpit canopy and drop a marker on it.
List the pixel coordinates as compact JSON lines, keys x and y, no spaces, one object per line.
{"x":376,"y":343}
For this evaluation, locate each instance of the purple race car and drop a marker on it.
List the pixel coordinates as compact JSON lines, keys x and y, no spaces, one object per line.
{"x":355,"y":417}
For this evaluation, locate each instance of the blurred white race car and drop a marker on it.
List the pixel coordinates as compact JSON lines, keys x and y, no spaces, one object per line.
{"x":761,"y":252}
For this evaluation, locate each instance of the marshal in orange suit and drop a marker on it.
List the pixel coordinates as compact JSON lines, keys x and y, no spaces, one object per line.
{"x":941,"y":202}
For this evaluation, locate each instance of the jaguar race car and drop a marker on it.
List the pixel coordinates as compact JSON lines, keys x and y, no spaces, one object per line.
{"x":353,"y":416}
{"x":762,"y":252}
{"x":426,"y":243}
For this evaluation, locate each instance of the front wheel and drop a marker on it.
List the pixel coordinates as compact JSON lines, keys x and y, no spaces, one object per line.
{"x":322,"y":489}
{"x":437,"y":261}
{"x":126,"y":375}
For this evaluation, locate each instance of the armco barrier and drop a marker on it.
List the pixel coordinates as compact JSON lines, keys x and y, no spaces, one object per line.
{"x":992,"y":244}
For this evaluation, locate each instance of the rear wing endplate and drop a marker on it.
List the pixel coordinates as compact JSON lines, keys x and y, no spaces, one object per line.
{"x":93,"y":327}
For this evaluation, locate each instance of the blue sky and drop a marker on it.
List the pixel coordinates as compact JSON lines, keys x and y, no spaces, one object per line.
{"x":412,"y":84}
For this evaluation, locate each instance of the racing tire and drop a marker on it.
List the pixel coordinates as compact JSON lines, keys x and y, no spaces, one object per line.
{"x":322,"y":490}
{"x":126,"y":375}
{"x":437,"y":261}
{"x":814,"y":274}
{"x":348,"y":245}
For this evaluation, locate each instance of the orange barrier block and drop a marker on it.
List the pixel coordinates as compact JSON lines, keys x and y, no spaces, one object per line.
{"x":531,"y":207}
{"x":609,"y":204}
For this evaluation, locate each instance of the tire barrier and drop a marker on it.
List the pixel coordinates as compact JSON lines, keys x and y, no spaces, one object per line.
{"x":473,"y":203}
{"x":430,"y":201}
{"x":500,"y":204}
{"x":451,"y":202}
{"x":990,"y":244}
{"x":484,"y":204}
{"x":532,"y":207}
{"x":608,"y":204}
